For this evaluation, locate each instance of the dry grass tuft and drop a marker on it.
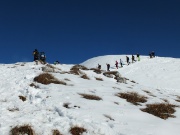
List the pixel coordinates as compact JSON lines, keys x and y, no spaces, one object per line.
{"x":96,"y":70}
{"x":79,"y":67}
{"x":91,"y":97}
{"x":22,"y":98}
{"x":56,"y":132}
{"x":133,"y":97}
{"x":47,"y":78}
{"x":161,"y":110}
{"x":77,"y":130}
{"x":76,"y":69}
{"x":66,"y":105}
{"x":33,"y":85}
{"x":23,"y":130}
{"x":99,"y":79}
{"x":85,"y":77}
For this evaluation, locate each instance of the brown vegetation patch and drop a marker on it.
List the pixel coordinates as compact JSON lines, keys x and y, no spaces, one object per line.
{"x":56,"y":132}
{"x":161,"y":110}
{"x":33,"y":85}
{"x":50,"y":66}
{"x":66,"y":105}
{"x":133,"y":97}
{"x":23,"y":130}
{"x":77,"y":130}
{"x":76,"y":69}
{"x":85,"y":77}
{"x":22,"y":98}
{"x":99,"y":79}
{"x":96,"y":70}
{"x":47,"y":78}
{"x":91,"y":97}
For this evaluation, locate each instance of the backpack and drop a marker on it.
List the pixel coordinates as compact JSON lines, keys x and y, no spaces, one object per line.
{"x":42,"y":55}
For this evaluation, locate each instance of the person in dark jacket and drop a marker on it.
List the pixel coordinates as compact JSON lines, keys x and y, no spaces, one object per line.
{"x":133,"y":59}
{"x":116,"y":64}
{"x":108,"y":67}
{"x":99,"y":67}
{"x":36,"y":55}
{"x":127,"y":60}
{"x":56,"y":62}
{"x":150,"y":54}
{"x":153,"y":54}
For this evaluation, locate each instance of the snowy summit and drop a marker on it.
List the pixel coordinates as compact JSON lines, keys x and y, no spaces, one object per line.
{"x":84,"y":100}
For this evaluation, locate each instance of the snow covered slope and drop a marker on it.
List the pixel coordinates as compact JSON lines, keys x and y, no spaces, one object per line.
{"x":61,"y":107}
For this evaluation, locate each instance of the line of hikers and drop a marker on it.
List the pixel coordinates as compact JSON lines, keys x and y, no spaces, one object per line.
{"x":151,"y":54}
{"x":41,"y":56}
{"x":121,"y":62}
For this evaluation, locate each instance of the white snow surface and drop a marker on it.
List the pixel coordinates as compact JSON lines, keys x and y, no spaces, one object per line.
{"x":43,"y":109}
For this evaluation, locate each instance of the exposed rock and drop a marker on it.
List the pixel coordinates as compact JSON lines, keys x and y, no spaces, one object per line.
{"x":116,"y":75}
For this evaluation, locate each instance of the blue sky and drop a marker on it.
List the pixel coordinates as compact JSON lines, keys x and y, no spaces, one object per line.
{"x":73,"y":31}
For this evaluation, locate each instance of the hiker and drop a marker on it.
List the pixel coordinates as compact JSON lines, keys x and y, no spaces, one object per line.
{"x":153,"y":54}
{"x":116,"y":64}
{"x":56,"y":62}
{"x":150,"y":55}
{"x":127,"y":60}
{"x":108,"y":67}
{"x":133,"y":60}
{"x":121,"y":63}
{"x":36,"y":55}
{"x":99,"y":67}
{"x":138,"y":56}
{"x":43,"y":57}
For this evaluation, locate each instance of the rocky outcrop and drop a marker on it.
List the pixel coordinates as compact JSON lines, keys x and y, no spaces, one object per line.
{"x":116,"y":75}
